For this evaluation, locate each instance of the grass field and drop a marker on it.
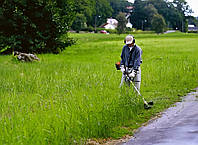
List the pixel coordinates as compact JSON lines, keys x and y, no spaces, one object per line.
{"x":73,"y":96}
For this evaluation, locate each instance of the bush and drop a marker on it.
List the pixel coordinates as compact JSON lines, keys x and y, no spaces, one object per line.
{"x":88,"y":29}
{"x":111,"y":31}
{"x":35,"y":26}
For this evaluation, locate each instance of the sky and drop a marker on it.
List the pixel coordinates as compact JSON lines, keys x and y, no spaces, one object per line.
{"x":192,"y":3}
{"x":194,"y":6}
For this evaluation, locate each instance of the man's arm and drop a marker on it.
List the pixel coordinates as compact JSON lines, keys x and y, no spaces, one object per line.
{"x":122,"y":56}
{"x":138,"y":59}
{"x":122,"y":62}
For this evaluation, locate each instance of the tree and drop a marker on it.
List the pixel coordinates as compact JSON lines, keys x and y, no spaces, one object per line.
{"x":35,"y":26}
{"x":158,"y":23}
{"x":122,"y":21}
{"x":103,"y":10}
{"x":183,"y":9}
{"x":79,"y":22}
{"x":95,"y":11}
{"x":86,"y":8}
{"x":138,"y":15}
{"x":175,"y":13}
{"x":150,"y":11}
{"x":119,"y":6}
{"x":192,"y":21}
{"x":182,"y":6}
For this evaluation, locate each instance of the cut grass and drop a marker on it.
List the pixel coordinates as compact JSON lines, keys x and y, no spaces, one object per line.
{"x":70,"y":97}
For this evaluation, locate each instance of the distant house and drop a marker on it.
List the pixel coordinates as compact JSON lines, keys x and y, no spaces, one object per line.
{"x":113,"y":23}
{"x":130,"y":9}
{"x":110,"y":24}
{"x":192,"y":28}
{"x":128,"y":25}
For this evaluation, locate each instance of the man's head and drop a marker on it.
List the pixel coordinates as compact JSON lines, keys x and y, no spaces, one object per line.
{"x":129,"y":40}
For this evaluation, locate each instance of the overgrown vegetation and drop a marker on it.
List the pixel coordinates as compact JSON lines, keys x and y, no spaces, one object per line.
{"x":69,"y":97}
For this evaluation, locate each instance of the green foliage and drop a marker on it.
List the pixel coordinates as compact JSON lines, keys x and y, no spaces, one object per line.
{"x":185,"y":26}
{"x":103,"y":11}
{"x":122,"y":21}
{"x":95,"y":11}
{"x":192,"y":20}
{"x":150,"y":11}
{"x":79,"y":22}
{"x":173,"y":12}
{"x":119,"y":6}
{"x":158,"y":23}
{"x":138,"y":16}
{"x":35,"y":26}
{"x":86,"y":8}
{"x":88,"y":29}
{"x":111,"y":31}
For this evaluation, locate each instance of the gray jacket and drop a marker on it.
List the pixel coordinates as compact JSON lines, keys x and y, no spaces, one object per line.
{"x":131,"y":59}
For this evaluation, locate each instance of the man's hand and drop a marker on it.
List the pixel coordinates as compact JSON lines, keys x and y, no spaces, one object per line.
{"x":122,"y":68}
{"x":132,"y":74}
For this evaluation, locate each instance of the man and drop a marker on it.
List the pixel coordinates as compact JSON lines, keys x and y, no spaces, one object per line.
{"x":131,"y":61}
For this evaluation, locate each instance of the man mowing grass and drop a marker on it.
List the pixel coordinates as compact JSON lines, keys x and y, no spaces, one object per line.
{"x":130,"y":62}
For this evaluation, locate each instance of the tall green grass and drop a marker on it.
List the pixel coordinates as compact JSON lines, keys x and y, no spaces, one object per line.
{"x":73,"y":96}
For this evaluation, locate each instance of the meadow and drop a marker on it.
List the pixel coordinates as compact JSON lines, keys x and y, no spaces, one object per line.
{"x":74,"y":96}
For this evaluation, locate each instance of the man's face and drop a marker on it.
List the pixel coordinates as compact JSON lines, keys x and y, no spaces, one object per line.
{"x":130,"y":45}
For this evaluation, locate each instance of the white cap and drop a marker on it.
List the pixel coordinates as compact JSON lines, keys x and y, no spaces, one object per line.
{"x":129,"y":39}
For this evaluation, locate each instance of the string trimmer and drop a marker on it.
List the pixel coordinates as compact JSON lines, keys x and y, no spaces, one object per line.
{"x":147,"y":105}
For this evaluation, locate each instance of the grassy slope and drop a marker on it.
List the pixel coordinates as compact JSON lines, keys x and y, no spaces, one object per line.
{"x":72,"y":96}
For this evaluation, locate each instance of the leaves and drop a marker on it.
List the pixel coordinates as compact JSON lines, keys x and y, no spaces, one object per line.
{"x":121,"y":23}
{"x":35,"y":26}
{"x":158,"y":23}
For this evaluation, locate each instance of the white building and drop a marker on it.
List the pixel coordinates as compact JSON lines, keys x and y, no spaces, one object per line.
{"x":111,"y":24}
{"x":128,"y":25}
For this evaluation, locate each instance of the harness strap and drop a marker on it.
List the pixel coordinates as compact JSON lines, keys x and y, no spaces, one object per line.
{"x":131,"y":52}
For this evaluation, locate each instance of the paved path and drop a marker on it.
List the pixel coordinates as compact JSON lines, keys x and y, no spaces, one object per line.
{"x":177,"y":126}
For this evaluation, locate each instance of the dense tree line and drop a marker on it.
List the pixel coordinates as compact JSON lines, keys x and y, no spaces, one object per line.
{"x":96,"y":12}
{"x":172,"y":14}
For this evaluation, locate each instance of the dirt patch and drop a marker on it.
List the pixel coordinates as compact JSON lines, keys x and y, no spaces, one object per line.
{"x":109,"y":141}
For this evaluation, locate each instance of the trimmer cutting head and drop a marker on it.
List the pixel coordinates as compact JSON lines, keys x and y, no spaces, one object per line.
{"x":148,"y":105}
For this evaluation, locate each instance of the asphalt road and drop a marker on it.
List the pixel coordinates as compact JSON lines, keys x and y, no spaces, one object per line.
{"x":177,"y":126}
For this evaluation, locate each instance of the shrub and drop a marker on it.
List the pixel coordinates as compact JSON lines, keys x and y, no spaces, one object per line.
{"x":88,"y":29}
{"x":112,"y":31}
